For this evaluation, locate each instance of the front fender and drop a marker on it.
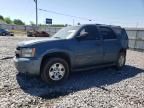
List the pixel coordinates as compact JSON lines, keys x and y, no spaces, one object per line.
{"x":56,"y":51}
{"x":68,"y":53}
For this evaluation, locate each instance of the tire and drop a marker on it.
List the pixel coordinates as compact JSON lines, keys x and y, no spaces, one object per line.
{"x":12,"y":35}
{"x":3,"y":34}
{"x":55,"y":70}
{"x":121,"y":60}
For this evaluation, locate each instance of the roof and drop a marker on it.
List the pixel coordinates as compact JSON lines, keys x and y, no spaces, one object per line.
{"x":103,"y":25}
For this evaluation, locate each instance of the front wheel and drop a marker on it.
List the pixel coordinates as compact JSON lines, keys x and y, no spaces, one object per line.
{"x":121,"y":60}
{"x":55,"y":70}
{"x":3,"y":34}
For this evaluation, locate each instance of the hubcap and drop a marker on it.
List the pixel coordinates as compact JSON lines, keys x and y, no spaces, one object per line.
{"x":57,"y":71}
{"x":3,"y":34}
{"x":121,"y":60}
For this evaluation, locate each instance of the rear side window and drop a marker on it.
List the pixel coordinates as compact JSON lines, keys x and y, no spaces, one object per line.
{"x":107,"y":33}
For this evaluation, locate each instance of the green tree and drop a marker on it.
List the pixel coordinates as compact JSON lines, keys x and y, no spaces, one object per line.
{"x":8,"y":20}
{"x":1,"y":17}
{"x":18,"y":22}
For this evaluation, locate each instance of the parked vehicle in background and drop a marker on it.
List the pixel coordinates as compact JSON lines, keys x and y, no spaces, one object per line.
{"x":37,"y":34}
{"x":11,"y":33}
{"x":73,"y":48}
{"x":29,"y":34}
{"x":4,"y":32}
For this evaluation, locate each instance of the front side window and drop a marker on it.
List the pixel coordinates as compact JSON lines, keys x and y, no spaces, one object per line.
{"x":92,"y":32}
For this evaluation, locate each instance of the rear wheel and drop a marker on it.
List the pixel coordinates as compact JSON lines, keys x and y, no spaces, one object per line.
{"x":55,"y":70}
{"x":121,"y":60}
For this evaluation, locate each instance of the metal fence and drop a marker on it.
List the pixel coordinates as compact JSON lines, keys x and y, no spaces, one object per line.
{"x":16,"y":27}
{"x":50,"y":30}
{"x":136,"y":38}
{"x":136,"y":35}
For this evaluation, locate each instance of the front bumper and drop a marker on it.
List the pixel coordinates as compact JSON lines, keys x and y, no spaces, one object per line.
{"x":27,"y":65}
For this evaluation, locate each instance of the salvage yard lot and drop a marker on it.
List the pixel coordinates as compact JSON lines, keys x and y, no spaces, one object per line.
{"x":96,"y":88}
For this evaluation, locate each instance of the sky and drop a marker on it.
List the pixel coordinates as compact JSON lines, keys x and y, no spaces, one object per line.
{"x":127,"y":13}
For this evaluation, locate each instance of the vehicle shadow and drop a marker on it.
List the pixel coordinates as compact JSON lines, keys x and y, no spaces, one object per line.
{"x":78,"y":81}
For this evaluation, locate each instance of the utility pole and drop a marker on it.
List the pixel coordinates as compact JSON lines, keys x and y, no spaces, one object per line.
{"x":36,"y":13}
{"x":73,"y":22}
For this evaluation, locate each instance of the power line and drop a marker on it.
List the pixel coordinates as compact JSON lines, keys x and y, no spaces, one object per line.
{"x":54,"y":12}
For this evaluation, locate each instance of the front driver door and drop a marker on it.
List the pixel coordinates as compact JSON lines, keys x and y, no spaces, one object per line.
{"x":88,"y":49}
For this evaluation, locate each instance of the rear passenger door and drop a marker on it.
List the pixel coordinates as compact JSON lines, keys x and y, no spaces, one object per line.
{"x":110,"y":44}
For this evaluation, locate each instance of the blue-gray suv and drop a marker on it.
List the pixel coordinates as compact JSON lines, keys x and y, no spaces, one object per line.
{"x":73,"y":48}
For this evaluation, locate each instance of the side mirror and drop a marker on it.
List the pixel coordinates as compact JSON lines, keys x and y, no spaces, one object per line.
{"x":82,"y":35}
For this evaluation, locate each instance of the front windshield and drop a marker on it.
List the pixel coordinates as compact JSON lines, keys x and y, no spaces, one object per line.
{"x":67,"y":32}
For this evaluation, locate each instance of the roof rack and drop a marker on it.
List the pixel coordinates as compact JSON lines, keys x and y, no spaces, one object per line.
{"x":108,"y":25}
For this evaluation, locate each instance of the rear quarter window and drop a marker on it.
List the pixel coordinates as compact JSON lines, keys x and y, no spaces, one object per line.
{"x":124,"y":34}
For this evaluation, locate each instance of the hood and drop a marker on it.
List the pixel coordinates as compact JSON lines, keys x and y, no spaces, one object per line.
{"x":37,"y":41}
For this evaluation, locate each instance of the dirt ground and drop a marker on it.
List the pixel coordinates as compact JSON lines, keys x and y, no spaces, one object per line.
{"x":100,"y":88}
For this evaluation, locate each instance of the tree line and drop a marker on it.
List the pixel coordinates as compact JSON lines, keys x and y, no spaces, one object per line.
{"x":8,"y":20}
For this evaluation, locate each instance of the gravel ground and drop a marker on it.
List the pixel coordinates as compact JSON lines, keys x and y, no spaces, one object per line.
{"x":101,"y":88}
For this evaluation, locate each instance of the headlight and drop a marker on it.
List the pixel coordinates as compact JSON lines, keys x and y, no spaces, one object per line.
{"x":27,"y":52}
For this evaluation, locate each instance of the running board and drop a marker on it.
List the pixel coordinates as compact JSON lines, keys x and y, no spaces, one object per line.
{"x":94,"y":67}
